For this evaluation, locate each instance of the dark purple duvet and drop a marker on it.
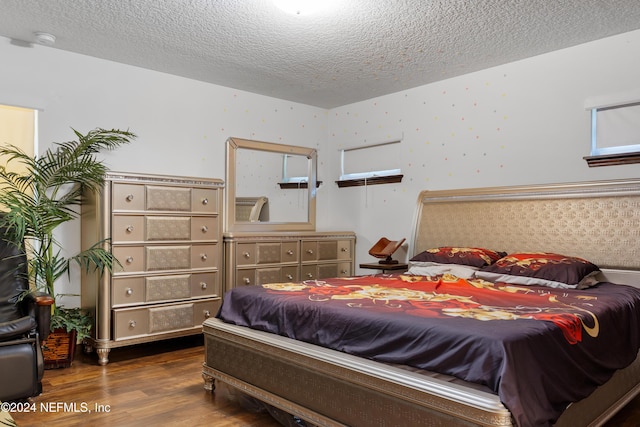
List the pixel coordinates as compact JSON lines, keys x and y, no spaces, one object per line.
{"x":538,"y":348}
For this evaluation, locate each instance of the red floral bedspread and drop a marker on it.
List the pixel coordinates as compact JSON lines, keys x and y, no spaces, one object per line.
{"x":538,"y":348}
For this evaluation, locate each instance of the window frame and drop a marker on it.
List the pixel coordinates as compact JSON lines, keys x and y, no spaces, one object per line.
{"x":374,"y":177}
{"x":611,"y":155}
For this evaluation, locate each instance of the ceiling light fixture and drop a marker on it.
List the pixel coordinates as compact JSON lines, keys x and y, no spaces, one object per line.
{"x":305,"y":7}
{"x":45,"y":39}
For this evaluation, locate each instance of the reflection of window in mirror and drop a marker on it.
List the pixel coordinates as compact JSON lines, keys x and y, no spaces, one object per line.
{"x":295,"y":168}
{"x":258,"y":175}
{"x":18,"y":127}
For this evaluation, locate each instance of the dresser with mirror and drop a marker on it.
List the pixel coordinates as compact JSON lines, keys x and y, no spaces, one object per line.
{"x":270,"y":222}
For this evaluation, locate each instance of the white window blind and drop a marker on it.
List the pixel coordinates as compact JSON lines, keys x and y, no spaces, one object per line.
{"x":295,"y":168}
{"x":615,"y":129}
{"x":375,"y":160}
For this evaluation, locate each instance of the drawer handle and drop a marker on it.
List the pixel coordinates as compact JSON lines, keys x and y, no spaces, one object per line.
{"x":289,"y":252}
{"x":203,"y":285}
{"x":129,"y":260}
{"x":310,"y":275}
{"x":132,"y":323}
{"x":207,"y":314}
{"x":246,"y":255}
{"x":310,"y":251}
{"x":343,"y":271}
{"x":130,"y":229}
{"x":204,"y":228}
{"x":203,"y":257}
{"x":129,"y":197}
{"x":247,"y":281}
{"x":129,"y":291}
{"x":289,"y":276}
{"x":344,"y":250}
{"x":205,"y":201}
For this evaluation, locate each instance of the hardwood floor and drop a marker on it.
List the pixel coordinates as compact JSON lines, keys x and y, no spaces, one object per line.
{"x":159,"y":384}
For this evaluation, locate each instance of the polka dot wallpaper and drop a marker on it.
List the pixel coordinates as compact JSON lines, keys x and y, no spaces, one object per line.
{"x":516,"y":124}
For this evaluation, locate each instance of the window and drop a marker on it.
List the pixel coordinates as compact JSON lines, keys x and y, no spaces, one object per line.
{"x":615,"y":133}
{"x":18,"y":127}
{"x":295,"y":168}
{"x":371,"y":164}
{"x":295,"y":172}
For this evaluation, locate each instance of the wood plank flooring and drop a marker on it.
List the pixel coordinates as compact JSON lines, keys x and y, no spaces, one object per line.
{"x":159,"y":384}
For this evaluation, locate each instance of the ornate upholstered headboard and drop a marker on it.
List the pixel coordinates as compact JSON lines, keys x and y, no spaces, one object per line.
{"x":597,"y":221}
{"x":252,"y":209}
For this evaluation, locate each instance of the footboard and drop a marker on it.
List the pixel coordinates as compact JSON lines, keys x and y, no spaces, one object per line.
{"x":330,"y":388}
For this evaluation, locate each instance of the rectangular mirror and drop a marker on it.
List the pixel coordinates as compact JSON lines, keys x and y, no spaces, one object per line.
{"x":270,"y":187}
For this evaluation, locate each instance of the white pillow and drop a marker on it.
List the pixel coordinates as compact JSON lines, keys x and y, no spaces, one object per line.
{"x":428,"y":268}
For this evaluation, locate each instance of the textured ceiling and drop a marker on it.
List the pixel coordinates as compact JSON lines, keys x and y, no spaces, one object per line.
{"x":362,"y":49}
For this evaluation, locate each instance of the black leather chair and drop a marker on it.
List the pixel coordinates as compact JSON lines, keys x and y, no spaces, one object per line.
{"x":23,"y":323}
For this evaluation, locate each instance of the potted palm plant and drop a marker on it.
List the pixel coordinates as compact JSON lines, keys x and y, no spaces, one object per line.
{"x":37,"y":201}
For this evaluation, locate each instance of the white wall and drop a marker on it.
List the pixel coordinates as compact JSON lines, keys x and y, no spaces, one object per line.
{"x":520,"y":123}
{"x":182,"y":124}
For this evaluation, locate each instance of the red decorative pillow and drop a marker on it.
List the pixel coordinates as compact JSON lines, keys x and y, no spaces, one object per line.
{"x":477,"y":257}
{"x":541,"y":268}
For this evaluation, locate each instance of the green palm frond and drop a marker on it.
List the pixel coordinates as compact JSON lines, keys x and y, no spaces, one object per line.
{"x":48,"y":193}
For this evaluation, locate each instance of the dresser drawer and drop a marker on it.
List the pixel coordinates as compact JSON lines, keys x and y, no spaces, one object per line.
{"x":127,"y":228}
{"x":127,"y":291}
{"x":268,"y":275}
{"x":309,"y":272}
{"x":290,"y":252}
{"x":326,"y":270}
{"x":344,"y":269}
{"x":131,"y":323}
{"x":268,"y":252}
{"x":326,"y":250}
{"x":167,"y":228}
{"x":168,"y":257}
{"x":344,"y":250}
{"x":245,"y":277}
{"x":130,"y":257}
{"x":138,"y":228}
{"x":319,"y":271}
{"x":204,"y":256}
{"x":309,"y":251}
{"x":161,"y":198}
{"x":260,"y":276}
{"x":246,"y":254}
{"x":290,"y":274}
{"x":128,"y":197}
{"x":204,"y":228}
{"x":205,"y":285}
{"x":204,"y":200}
{"x":166,"y":288}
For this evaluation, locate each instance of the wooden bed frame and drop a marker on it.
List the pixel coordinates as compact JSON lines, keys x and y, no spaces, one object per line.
{"x":598,"y":221}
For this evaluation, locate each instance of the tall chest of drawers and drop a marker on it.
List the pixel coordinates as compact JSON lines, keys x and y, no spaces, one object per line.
{"x":271,"y":257}
{"x":166,"y":232}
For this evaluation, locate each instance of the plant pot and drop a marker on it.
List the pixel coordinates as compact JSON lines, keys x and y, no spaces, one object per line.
{"x":59,"y":348}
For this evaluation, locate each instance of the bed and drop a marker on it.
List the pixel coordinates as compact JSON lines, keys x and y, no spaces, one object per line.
{"x":599,"y":222}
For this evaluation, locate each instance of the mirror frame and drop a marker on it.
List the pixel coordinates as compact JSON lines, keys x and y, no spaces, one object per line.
{"x":233,"y":144}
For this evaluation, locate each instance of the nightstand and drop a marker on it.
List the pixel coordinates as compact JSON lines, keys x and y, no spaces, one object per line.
{"x":385,"y":267}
